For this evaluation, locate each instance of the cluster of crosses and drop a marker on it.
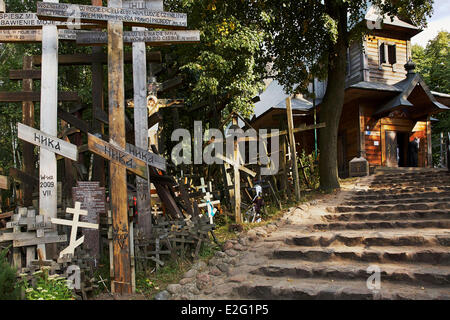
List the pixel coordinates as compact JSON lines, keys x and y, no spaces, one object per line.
{"x":48,"y":26}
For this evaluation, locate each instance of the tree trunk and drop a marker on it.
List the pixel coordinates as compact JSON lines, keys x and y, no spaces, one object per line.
{"x":331,"y":107}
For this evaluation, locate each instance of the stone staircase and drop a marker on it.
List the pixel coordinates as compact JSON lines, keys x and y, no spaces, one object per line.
{"x":401,"y":224}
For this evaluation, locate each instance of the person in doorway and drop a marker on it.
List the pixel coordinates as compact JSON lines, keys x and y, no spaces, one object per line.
{"x":413,"y":152}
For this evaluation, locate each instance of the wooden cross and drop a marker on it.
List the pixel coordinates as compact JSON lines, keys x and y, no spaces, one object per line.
{"x":141,"y":129}
{"x":30,"y":239}
{"x":114,"y":17}
{"x":75,"y":223}
{"x":156,"y":210}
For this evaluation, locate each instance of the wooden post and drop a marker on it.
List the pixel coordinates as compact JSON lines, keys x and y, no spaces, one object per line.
{"x":237,"y":178}
{"x":28,"y":119}
{"x":98,"y":170}
{"x":429,"y":144}
{"x":141,"y":133}
{"x":118,"y":176}
{"x":292,"y":146}
{"x":49,"y":124}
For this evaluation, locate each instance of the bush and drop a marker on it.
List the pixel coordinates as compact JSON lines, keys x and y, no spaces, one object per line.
{"x":52,"y":287}
{"x":9,"y":290}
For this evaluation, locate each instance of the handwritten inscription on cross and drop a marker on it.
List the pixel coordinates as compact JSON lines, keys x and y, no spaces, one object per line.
{"x":75,"y":223}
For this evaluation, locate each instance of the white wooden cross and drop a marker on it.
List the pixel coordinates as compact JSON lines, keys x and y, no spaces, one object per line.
{"x":202,"y":186}
{"x":208,"y":203}
{"x":75,"y":223}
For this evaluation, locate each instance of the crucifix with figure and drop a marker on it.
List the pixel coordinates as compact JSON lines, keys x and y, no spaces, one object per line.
{"x":115,"y":149}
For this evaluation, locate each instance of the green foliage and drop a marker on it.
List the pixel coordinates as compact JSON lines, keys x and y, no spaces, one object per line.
{"x":433,"y":64}
{"x":8,"y":286}
{"x":311,"y":169}
{"x":53,"y":287}
{"x":222,"y":66}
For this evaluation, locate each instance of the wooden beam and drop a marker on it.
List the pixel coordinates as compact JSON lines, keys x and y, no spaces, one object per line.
{"x":36,"y":96}
{"x":48,"y":201}
{"x":117,"y":155}
{"x":237,"y":178}
{"x":47,"y":142}
{"x":122,"y":280}
{"x":28,"y":119}
{"x":98,"y":166}
{"x":153,"y":38}
{"x":74,"y":121}
{"x":290,"y":121}
{"x":25,"y":73}
{"x":101,"y":15}
{"x":29,"y":20}
{"x":24,"y":177}
{"x":140,"y":126}
{"x":303,"y":127}
{"x":87,"y":59}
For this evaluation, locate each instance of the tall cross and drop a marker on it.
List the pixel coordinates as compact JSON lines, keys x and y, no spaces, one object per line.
{"x":141,"y":122}
{"x":75,"y":223}
{"x":114,"y":19}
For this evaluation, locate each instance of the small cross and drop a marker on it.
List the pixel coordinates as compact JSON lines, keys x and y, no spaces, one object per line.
{"x":155,"y":210}
{"x":202,"y":186}
{"x":75,"y":223}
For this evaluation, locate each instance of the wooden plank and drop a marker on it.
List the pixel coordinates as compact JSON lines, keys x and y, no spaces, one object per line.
{"x":237,"y":178}
{"x":170,"y":84}
{"x":24,"y":177}
{"x":141,"y":131}
{"x":46,"y":141}
{"x":102,"y":15}
{"x":302,"y":128}
{"x":48,"y":201}
{"x":87,"y":59}
{"x":4,"y":182}
{"x":98,"y":166}
{"x":36,"y":96}
{"x":152,"y":159}
{"x":34,"y":35}
{"x":24,"y":74}
{"x":74,"y":121}
{"x":117,"y":155}
{"x":37,"y":241}
{"x":29,"y":20}
{"x":149,"y":37}
{"x":290,"y":121}
{"x":121,"y":282}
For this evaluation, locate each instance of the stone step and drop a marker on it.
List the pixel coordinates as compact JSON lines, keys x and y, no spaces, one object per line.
{"x":395,"y":215}
{"x":411,"y":175}
{"x":384,"y":237}
{"x":396,"y":201}
{"x":418,"y":274}
{"x":284,"y":288}
{"x":381,"y":224}
{"x":394,"y":207}
{"x":388,"y":192}
{"x":371,"y":196}
{"x":376,"y":254}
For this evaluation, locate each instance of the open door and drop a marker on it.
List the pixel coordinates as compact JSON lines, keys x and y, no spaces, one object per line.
{"x":391,"y":149}
{"x":342,"y":165}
